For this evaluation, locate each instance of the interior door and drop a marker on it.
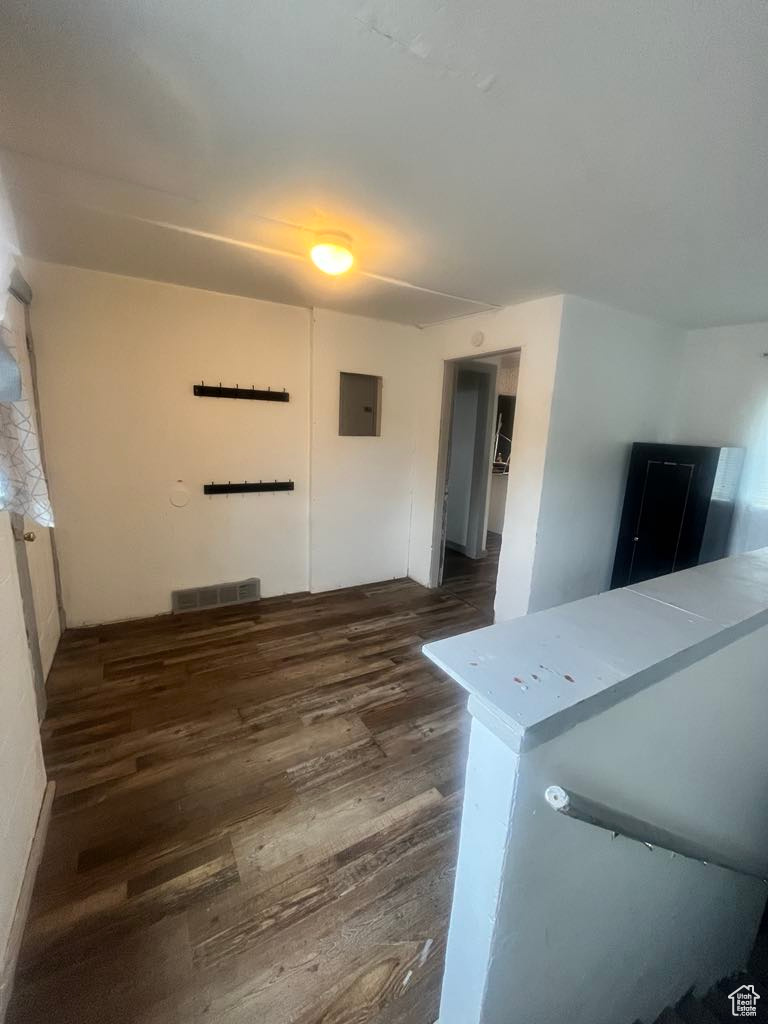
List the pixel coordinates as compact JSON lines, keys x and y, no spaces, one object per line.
{"x":659,"y":526}
{"x":483,"y":460}
{"x":41,"y":556}
{"x":21,"y":538}
{"x":444,"y":469}
{"x":461,"y":464}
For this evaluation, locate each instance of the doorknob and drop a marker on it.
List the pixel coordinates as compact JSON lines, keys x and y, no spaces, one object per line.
{"x":29,"y":536}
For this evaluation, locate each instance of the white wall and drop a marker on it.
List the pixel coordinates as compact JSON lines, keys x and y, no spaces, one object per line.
{"x":622,"y":702}
{"x":117,"y":358}
{"x":361,"y":486}
{"x":491,"y":778}
{"x":534,"y":328}
{"x":591,"y":381}
{"x":675,"y":754}
{"x":22,"y":776}
{"x":616,"y":375}
{"x":722,"y":399}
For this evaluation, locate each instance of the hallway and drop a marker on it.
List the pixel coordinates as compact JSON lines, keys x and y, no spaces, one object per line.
{"x":474,"y":579}
{"x":256,"y":814}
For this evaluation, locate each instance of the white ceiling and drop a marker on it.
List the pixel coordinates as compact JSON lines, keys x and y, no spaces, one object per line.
{"x":493,"y":151}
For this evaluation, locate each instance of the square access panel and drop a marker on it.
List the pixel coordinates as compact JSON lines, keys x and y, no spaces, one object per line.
{"x":359,"y":405}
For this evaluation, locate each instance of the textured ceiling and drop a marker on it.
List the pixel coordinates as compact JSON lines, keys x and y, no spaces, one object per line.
{"x":490,"y":151}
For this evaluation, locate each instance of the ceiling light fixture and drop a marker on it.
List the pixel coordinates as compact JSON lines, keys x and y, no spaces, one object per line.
{"x":332,"y":253}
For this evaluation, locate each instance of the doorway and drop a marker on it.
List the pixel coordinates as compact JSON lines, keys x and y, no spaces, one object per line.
{"x":477,"y":425}
{"x":33,"y":543}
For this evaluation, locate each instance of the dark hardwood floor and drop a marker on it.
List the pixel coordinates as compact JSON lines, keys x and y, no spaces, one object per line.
{"x":474,"y":579}
{"x":256,"y":815}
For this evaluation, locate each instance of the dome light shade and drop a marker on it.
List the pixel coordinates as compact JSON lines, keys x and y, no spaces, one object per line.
{"x":332,"y":254}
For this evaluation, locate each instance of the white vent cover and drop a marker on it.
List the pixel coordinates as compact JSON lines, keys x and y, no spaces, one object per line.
{"x":214,"y":597}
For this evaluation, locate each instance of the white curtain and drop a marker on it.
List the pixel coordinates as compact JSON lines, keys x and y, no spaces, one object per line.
{"x":750,"y":529}
{"x":23,"y":487}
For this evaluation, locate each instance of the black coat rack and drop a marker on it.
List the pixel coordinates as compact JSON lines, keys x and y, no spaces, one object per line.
{"x":204,"y":390}
{"x":248,"y":488}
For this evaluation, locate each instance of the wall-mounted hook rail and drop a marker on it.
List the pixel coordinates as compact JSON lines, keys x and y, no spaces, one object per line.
{"x":248,"y":488}
{"x":204,"y":390}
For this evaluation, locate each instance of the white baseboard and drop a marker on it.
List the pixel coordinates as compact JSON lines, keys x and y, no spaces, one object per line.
{"x":8,"y":964}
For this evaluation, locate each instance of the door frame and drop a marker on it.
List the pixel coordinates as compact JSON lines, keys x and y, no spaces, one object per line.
{"x":19,"y":291}
{"x":481,"y":460}
{"x":451,"y":368}
{"x":30,"y":342}
{"x":20,"y":541}
{"x":440,"y":525}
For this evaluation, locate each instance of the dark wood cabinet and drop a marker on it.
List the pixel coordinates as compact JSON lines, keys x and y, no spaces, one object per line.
{"x":678,"y":508}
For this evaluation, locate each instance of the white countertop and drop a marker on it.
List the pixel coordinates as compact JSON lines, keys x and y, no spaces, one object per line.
{"x":533,"y":677}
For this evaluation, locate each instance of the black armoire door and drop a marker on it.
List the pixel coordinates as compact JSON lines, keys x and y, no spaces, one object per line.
{"x":660,"y":517}
{"x":665,"y":510}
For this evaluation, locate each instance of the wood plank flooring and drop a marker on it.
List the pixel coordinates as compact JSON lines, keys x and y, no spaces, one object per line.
{"x":474,"y":579}
{"x":256,"y":816}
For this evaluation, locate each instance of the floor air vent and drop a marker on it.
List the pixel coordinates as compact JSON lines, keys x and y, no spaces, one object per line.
{"x":214,"y":597}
